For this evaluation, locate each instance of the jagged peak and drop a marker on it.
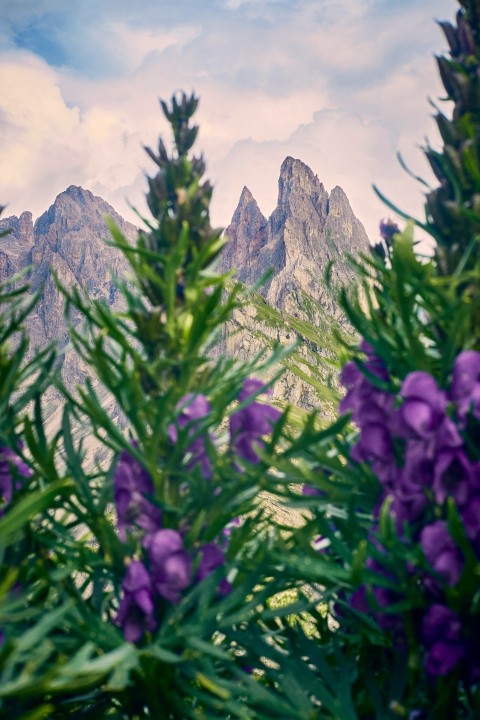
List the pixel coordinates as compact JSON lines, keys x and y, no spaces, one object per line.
{"x":246,"y":195}
{"x":247,"y":201}
{"x":77,"y":193}
{"x":293,"y":165}
{"x":297,"y":178}
{"x":338,"y":198}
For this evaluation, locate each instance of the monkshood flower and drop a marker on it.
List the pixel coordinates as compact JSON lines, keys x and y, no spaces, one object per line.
{"x":422,"y":415}
{"x":441,"y":552}
{"x":212,"y":557}
{"x":170,"y":563}
{"x":465,"y":388}
{"x":471,"y":520}
{"x":193,"y":408}
{"x":311,"y":491}
{"x":368,"y":403}
{"x":249,"y":424}
{"x":412,"y":485}
{"x":372,"y":411}
{"x":11,"y":464}
{"x":442,"y":637}
{"x":131,"y":484}
{"x":136,"y":611}
{"x":454,"y":476}
{"x":388,"y":228}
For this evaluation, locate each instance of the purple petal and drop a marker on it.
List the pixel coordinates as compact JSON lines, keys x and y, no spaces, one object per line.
{"x":442,"y":658}
{"x":251,"y":386}
{"x":441,"y":552}
{"x":136,"y":577}
{"x":212,"y":557}
{"x":466,"y":374}
{"x":164,"y":543}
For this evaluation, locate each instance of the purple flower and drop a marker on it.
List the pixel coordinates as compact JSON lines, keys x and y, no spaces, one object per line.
{"x":414,"y":478}
{"x":471,"y":517}
{"x":193,"y":408}
{"x":465,"y":388}
{"x":423,"y":409}
{"x":441,"y":634}
{"x":375,"y":443}
{"x":131,"y":483}
{"x":453,"y":476}
{"x":249,"y":424}
{"x":388,"y":228}
{"x":136,"y":611}
{"x":309,"y":490}
{"x":10,"y":461}
{"x":212,"y":557}
{"x":375,"y":602}
{"x":372,"y":410}
{"x":171,"y":565}
{"x":367,"y":402}
{"x":441,"y":552}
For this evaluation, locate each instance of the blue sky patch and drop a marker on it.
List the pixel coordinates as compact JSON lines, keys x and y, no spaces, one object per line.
{"x":41,"y":38}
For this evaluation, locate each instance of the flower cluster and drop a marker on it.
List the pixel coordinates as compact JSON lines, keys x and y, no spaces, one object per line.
{"x":193,"y":408}
{"x":250,"y":423}
{"x":132,"y":485}
{"x":418,"y":450}
{"x":167,"y":572}
{"x":12,"y":469}
{"x":168,"y":568}
{"x":421,"y":448}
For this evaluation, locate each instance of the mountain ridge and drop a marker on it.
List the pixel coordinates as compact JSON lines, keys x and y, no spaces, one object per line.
{"x":308,"y":229}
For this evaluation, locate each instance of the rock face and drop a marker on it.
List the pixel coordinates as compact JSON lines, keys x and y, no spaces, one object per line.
{"x":15,"y":248}
{"x":308,"y":230}
{"x":69,"y":241}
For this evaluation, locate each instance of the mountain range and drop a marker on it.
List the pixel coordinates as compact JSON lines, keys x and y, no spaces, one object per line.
{"x":308,"y":229}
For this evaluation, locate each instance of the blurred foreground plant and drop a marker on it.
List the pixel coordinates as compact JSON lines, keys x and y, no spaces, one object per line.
{"x":163,"y":569}
{"x":395,"y":500}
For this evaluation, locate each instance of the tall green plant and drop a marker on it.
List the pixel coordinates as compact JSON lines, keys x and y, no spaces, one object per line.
{"x":396,"y":500}
{"x":163,"y":574}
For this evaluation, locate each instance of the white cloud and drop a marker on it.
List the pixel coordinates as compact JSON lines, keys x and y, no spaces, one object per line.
{"x":341,"y":84}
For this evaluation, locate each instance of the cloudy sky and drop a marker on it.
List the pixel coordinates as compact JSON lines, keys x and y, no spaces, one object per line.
{"x":340,"y":84}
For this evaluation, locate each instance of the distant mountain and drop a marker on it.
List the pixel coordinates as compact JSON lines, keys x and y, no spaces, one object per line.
{"x":308,"y":228}
{"x":68,"y":240}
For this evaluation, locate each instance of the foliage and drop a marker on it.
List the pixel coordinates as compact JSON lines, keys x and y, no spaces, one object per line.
{"x":155,"y":591}
{"x":156,"y":585}
{"x":395,"y":498}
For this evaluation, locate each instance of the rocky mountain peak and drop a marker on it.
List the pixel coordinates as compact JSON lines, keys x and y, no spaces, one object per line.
{"x":15,"y":247}
{"x":307,"y":229}
{"x":77,"y":208}
{"x":245,"y":196}
{"x":297,"y":179}
{"x":247,"y":234}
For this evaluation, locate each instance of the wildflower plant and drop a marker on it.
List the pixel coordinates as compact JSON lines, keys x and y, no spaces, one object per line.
{"x":152,"y":584}
{"x":162,"y":565}
{"x":392,"y":487}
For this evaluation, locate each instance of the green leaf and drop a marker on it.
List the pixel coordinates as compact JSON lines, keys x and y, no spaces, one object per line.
{"x":30,"y":506}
